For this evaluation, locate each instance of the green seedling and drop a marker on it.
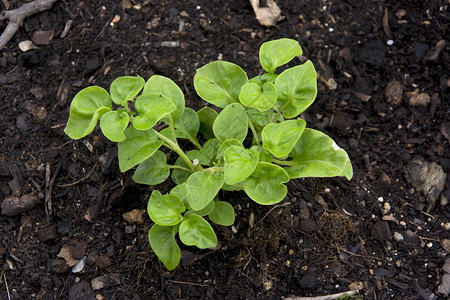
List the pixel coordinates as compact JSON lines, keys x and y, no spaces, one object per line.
{"x":254,"y":142}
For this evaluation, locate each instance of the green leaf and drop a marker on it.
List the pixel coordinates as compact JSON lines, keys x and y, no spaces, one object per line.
{"x":180,"y":192}
{"x":280,"y":138}
{"x":180,"y":176}
{"x":317,"y":155}
{"x":165,"y":210}
{"x":207,"y":116}
{"x":137,"y":147}
{"x":265,"y":186}
{"x":153,"y":170}
{"x":226,"y":144}
{"x":165,"y":86}
{"x":196,"y":231}
{"x":162,"y":241}
{"x":222,"y":214}
{"x":232,"y":122}
{"x":259,"y":119}
{"x":151,"y":107}
{"x":202,"y":187}
{"x":264,"y":155}
{"x":260,"y":97}
{"x":125,"y":88}
{"x":207,"y":154}
{"x":277,"y":53}
{"x":297,"y":89}
{"x":113,"y":123}
{"x":220,"y":82}
{"x":85,"y":110}
{"x":266,"y":77}
{"x":239,"y":164}
{"x":187,"y":125}
{"x":206,"y":210}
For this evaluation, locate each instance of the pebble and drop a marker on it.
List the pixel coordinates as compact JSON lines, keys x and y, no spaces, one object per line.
{"x":445,"y":243}
{"x":13,"y":206}
{"x":398,"y":237}
{"x":3,"y":79}
{"x":428,"y":178}
{"x":107,"y":280}
{"x":43,"y":37}
{"x":47,"y":233}
{"x":422,"y":99}
{"x":21,"y":122}
{"x":446,"y":266}
{"x":394,"y":93}
{"x":444,"y":287}
{"x":81,"y":291}
{"x":59,"y":266}
{"x":133,"y":217}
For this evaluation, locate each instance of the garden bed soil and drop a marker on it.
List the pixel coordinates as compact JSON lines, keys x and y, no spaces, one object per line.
{"x":375,"y":232}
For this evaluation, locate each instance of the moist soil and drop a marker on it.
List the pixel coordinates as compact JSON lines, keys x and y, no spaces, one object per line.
{"x":329,"y":235}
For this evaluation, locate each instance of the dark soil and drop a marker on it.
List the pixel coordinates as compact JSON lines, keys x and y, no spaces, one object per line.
{"x":326,"y":235}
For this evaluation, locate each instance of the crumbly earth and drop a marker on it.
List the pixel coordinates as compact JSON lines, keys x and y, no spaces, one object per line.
{"x":329,"y":235}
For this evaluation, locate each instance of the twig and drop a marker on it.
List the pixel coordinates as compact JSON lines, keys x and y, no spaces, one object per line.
{"x":6,"y":284}
{"x":327,"y":297}
{"x":21,"y":228}
{"x":189,"y":283}
{"x":49,"y":187}
{"x":78,"y":181}
{"x":16,"y":17}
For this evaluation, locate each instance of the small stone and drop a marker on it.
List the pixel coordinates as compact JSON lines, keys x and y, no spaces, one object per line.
{"x":130,"y":229}
{"x":43,"y":37}
{"x":133,"y":217}
{"x":81,"y":291}
{"x":59,"y":266}
{"x":445,"y":130}
{"x":107,"y":280}
{"x":13,"y":206}
{"x":394,"y":93}
{"x":444,"y":287}
{"x":445,"y":243}
{"x":46,"y":234}
{"x":422,"y":99}
{"x":357,"y":285}
{"x":3,"y":79}
{"x":268,"y":285}
{"x":428,"y":178}
{"x":103,"y":261}
{"x":446,"y":266}
{"x":21,"y":122}
{"x":398,"y":237}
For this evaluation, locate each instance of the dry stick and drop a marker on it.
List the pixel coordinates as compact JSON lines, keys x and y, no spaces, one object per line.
{"x":78,"y":181}
{"x":6,"y":284}
{"x":188,"y":283}
{"x":49,"y":187}
{"x":16,"y":17}
{"x":327,"y":297}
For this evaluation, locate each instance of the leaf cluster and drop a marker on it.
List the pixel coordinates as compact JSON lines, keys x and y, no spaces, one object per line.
{"x":254,"y":142}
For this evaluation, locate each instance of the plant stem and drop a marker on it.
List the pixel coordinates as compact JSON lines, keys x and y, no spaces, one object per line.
{"x":179,"y":168}
{"x":175,"y":147}
{"x":288,"y":163}
{"x":279,"y":111}
{"x":214,"y":169}
{"x":255,"y":134}
{"x":172,"y":128}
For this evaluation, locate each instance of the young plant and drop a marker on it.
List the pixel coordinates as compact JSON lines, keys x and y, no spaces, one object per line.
{"x":255,"y":142}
